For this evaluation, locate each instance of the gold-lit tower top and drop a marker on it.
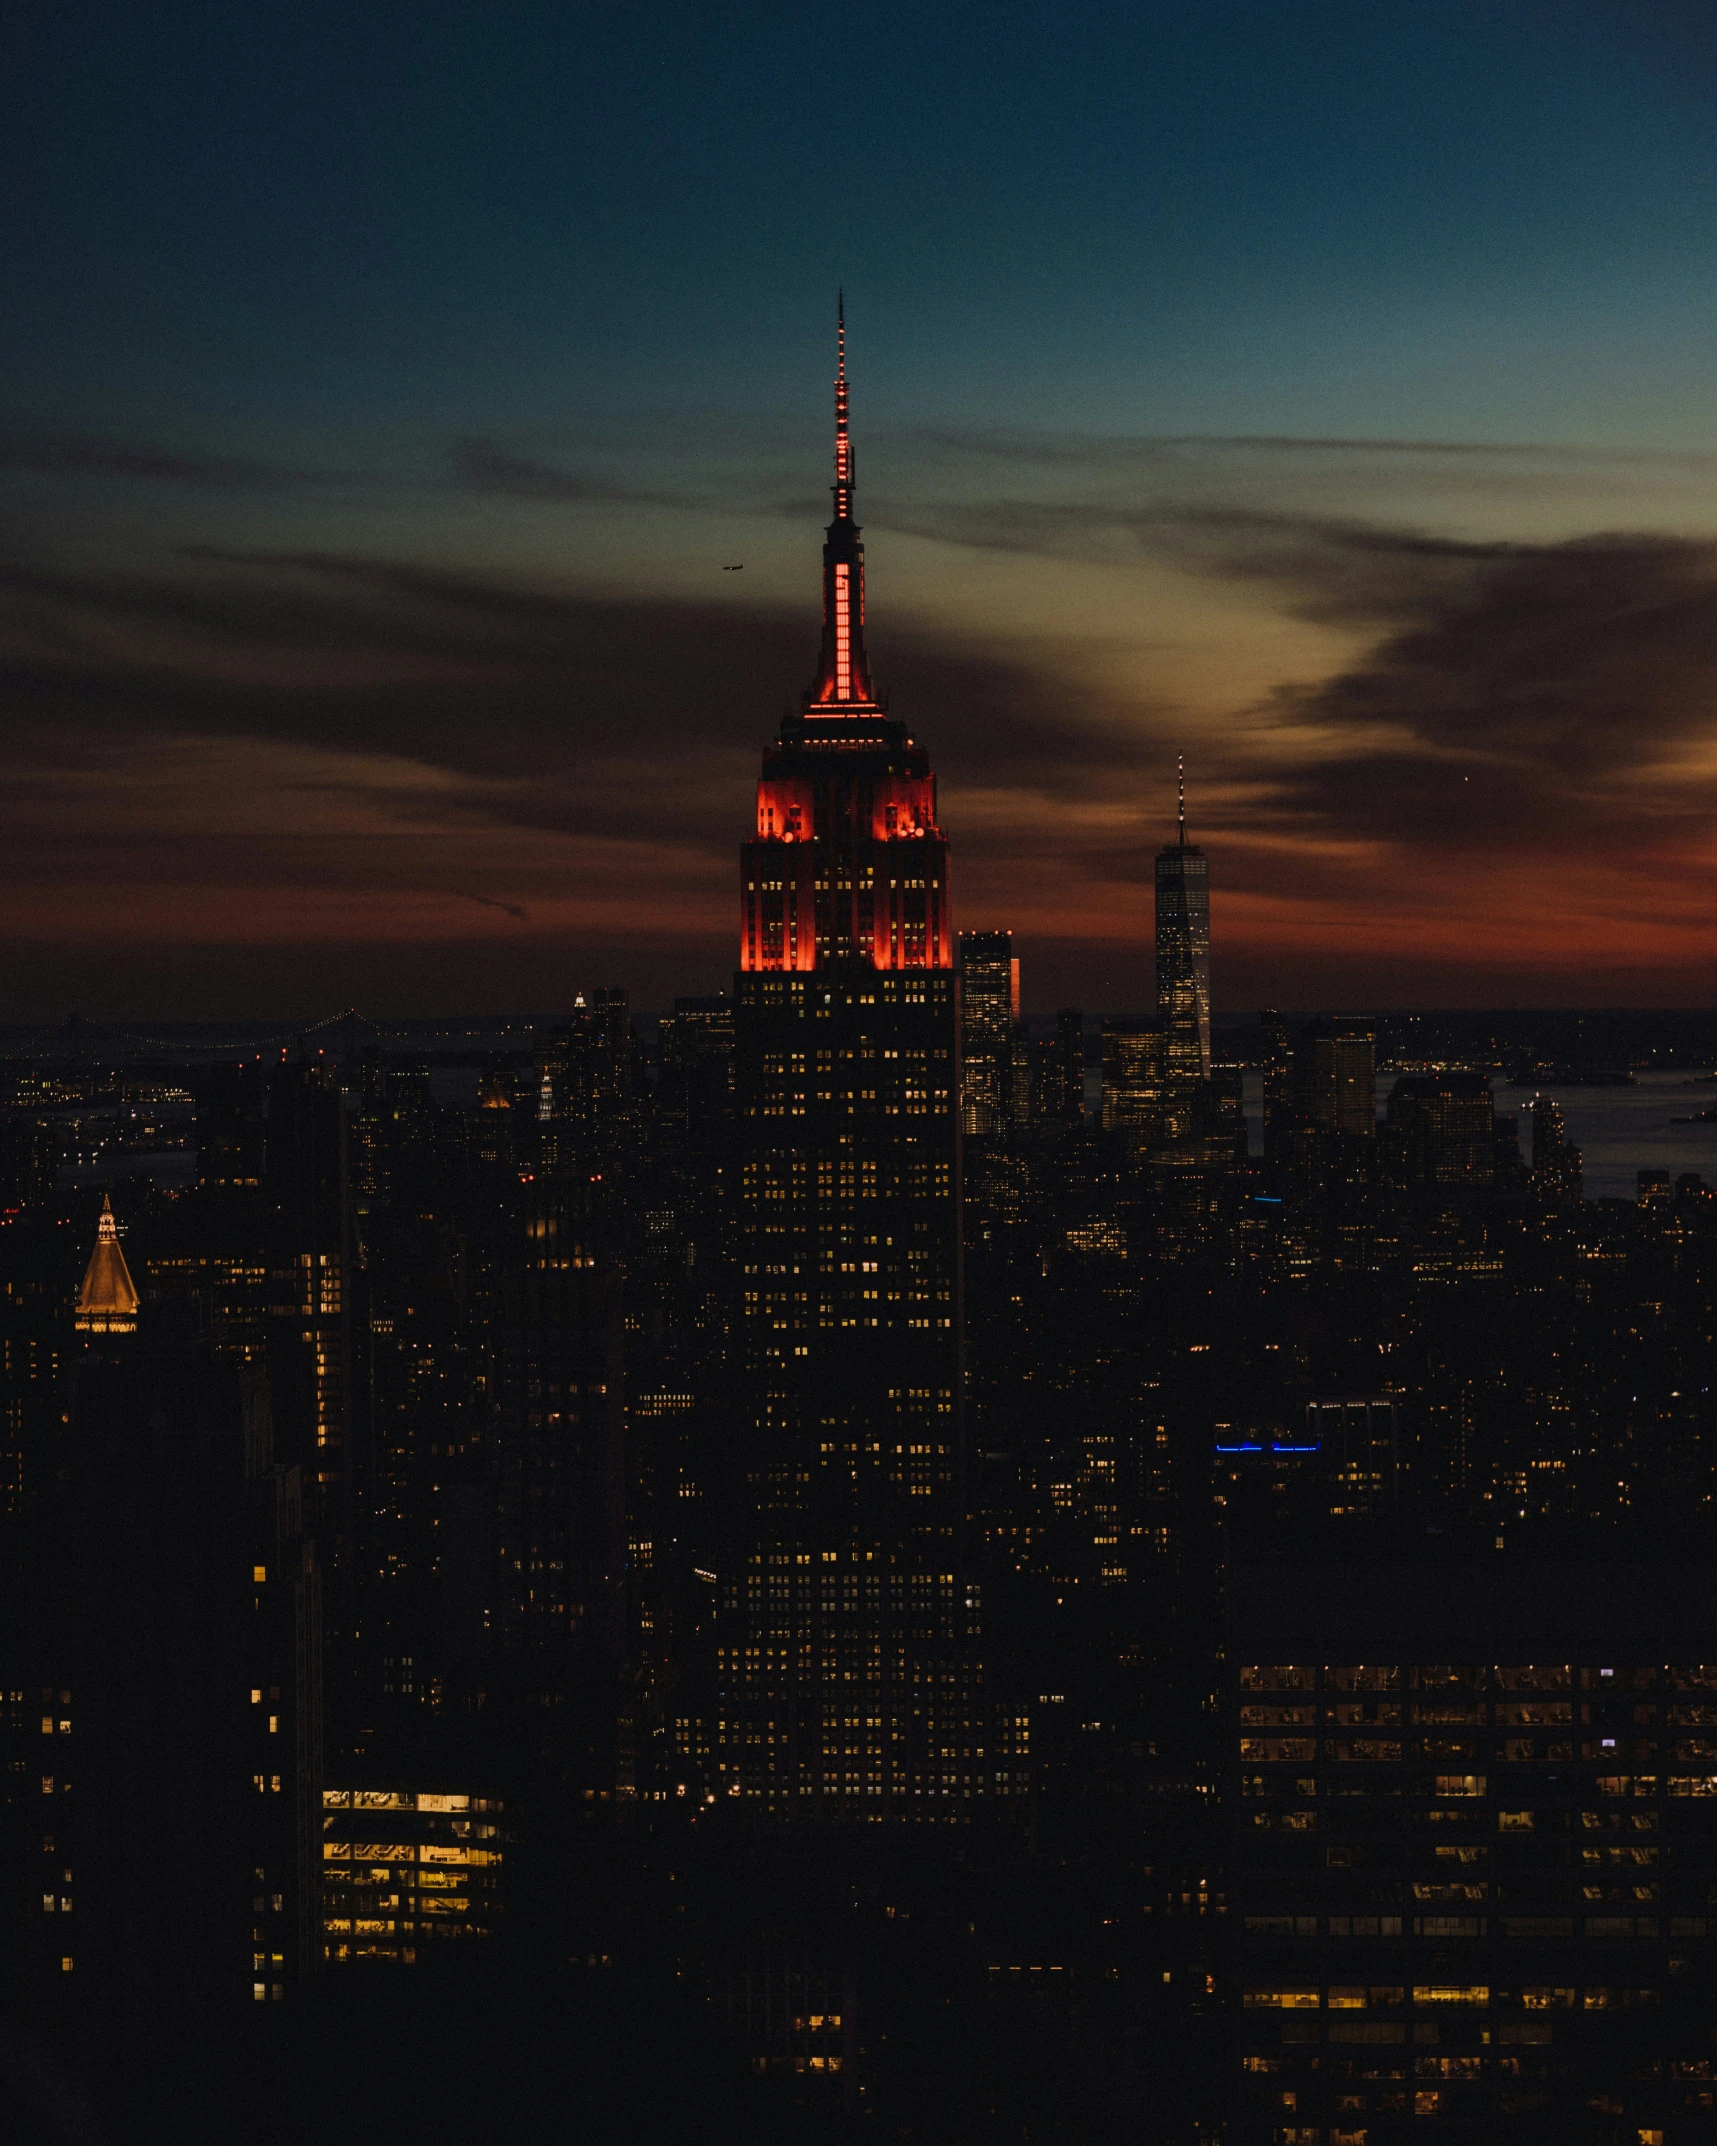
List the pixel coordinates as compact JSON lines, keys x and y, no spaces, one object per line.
{"x":107,"y":1303}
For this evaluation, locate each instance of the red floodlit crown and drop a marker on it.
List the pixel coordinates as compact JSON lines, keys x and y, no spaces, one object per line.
{"x":848,"y":863}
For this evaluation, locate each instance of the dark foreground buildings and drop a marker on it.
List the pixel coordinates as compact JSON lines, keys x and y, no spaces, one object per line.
{"x":167,"y":1819}
{"x":1472,"y":1804}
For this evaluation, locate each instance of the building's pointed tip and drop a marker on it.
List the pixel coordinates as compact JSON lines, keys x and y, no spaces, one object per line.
{"x":843,"y":673}
{"x":843,"y":445}
{"x":107,"y":1303}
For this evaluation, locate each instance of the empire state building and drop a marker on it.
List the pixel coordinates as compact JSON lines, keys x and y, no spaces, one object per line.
{"x":848,"y":1684}
{"x":848,"y":866}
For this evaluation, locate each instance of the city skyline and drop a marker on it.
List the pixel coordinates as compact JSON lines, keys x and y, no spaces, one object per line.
{"x":1353,"y":439}
{"x":921,"y":1343}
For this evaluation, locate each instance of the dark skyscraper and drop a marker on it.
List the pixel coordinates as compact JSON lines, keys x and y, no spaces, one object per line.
{"x":1183,"y":956}
{"x":1276,"y":1068}
{"x":989,"y":1007}
{"x":1133,"y":1083}
{"x":554,"y":1381}
{"x":846,"y":1672}
{"x":1444,"y":1128}
{"x":175,"y":1653}
{"x":1335,"y":1078}
{"x":310,"y":1270}
{"x":1556,"y":1175}
{"x":1061,"y":1070}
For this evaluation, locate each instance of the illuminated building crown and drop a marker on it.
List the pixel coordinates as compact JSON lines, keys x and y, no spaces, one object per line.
{"x":107,"y":1303}
{"x":848,"y":865}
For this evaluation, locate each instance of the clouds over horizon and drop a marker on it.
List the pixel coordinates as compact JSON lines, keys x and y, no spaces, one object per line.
{"x":1510,"y":761}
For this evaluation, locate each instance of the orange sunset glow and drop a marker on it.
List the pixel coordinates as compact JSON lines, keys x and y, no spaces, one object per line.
{"x":1422,"y":765}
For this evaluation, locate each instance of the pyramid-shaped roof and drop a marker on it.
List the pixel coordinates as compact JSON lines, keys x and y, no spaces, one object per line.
{"x":108,"y":1301}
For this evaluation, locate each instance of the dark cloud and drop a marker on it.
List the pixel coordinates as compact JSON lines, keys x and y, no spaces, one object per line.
{"x":74,"y":455}
{"x":314,"y":980}
{"x":563,"y":709}
{"x":1515,"y":691}
{"x":1549,"y":701}
{"x":482,"y":466}
{"x":1518,"y":693}
{"x":1105,"y":452}
{"x":1070,"y":450}
{"x":1542,"y":696}
{"x":486,"y":468}
{"x":1326,"y":567}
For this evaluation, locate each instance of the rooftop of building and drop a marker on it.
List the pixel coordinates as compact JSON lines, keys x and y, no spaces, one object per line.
{"x":107,"y":1303}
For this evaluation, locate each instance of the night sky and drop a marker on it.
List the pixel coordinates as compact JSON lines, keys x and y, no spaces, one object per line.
{"x":1327,"y":392}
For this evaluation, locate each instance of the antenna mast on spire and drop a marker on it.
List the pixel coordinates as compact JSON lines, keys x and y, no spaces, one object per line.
{"x":1180,"y":791}
{"x":843,"y":442}
{"x":843,"y":675}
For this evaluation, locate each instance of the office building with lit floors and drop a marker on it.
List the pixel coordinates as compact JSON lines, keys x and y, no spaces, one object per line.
{"x":849,"y":1682}
{"x":989,"y":1009}
{"x":407,"y":1872}
{"x":1183,"y":968}
{"x":1473,"y":1798}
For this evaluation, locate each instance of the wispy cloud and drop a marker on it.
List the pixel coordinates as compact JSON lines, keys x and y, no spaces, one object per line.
{"x":481,"y":465}
{"x":1074,"y":450}
{"x":73,"y":455}
{"x":382,"y":735}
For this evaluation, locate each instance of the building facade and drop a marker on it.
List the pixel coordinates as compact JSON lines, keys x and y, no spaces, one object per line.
{"x":176,"y":1652}
{"x":1135,"y":1084}
{"x":847,"y":1677}
{"x":407,"y":1871}
{"x":1335,"y":1075}
{"x":556,"y":1433}
{"x":1474,"y":1833}
{"x":989,"y":1007}
{"x":1183,"y":956}
{"x":1444,"y":1128}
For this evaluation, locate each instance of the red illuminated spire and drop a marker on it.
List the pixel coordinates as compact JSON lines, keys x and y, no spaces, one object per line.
{"x":848,"y":867}
{"x":843,"y":674}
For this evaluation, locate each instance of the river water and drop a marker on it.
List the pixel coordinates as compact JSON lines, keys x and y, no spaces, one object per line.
{"x":1619,"y":1131}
